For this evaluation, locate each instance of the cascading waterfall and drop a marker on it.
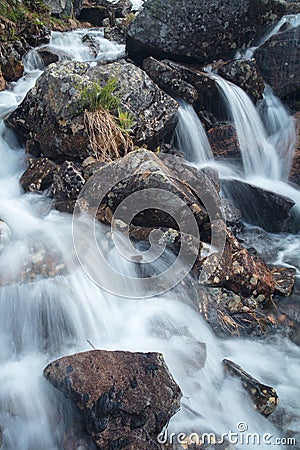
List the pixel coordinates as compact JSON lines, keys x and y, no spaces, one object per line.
{"x":56,"y":316}
{"x":190,"y":136}
{"x":280,"y":127}
{"x":258,"y":154}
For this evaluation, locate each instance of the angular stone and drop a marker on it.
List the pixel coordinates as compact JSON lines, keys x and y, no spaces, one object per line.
{"x":265,"y":398}
{"x":39,"y":175}
{"x":124,"y":398}
{"x":224,"y":141}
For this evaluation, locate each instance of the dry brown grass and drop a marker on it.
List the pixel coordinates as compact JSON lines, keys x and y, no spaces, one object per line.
{"x":107,"y":140}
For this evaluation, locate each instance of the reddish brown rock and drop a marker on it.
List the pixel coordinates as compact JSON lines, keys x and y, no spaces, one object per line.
{"x":241,"y":272}
{"x":224,"y":141}
{"x":125,"y":399}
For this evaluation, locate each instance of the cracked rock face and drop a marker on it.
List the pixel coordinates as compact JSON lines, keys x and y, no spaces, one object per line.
{"x":124,"y":398}
{"x":199,"y":30}
{"x":54,"y":124}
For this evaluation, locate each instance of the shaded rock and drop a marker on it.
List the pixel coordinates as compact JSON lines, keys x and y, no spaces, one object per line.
{"x":294,"y":175}
{"x":199,"y":30}
{"x":265,"y":398}
{"x":39,"y":175}
{"x":11,"y":62}
{"x":36,"y":34}
{"x":124,"y":398}
{"x":259,"y":206}
{"x":279,"y":62}
{"x":170,"y":80}
{"x":244,"y":74}
{"x":207,"y":90}
{"x":140,"y":171}
{"x":54,"y":124}
{"x":60,"y":8}
{"x":48,"y":56}
{"x":68,"y":182}
{"x":224,"y":141}
{"x":95,"y":11}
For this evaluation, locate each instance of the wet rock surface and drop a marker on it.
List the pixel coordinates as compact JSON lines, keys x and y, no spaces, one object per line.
{"x":170,"y":80}
{"x":259,"y":206}
{"x":265,"y":398}
{"x":244,"y":74}
{"x":54,"y":125}
{"x":199,"y":30}
{"x":124,"y":398}
{"x":279,"y":62}
{"x":224,"y":141}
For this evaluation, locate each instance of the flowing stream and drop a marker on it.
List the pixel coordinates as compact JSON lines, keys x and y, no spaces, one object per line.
{"x":54,"y":316}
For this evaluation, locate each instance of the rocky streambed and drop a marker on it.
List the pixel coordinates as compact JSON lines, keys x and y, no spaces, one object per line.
{"x":114,"y":238}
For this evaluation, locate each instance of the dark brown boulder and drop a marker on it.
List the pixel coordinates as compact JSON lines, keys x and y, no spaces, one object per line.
{"x":2,"y":81}
{"x":124,"y":398}
{"x":279,"y":62}
{"x":51,"y":117}
{"x":38,"y":175}
{"x":199,"y":30}
{"x":48,"y":56}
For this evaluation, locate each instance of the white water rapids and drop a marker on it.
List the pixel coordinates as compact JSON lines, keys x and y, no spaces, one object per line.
{"x":52,"y":317}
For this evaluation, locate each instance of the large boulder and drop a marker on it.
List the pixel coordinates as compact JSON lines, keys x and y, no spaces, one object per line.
{"x":51,"y":118}
{"x":125,"y":399}
{"x":279,"y":62}
{"x":200,"y":30}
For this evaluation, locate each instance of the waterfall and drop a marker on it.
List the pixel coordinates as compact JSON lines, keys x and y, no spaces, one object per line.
{"x":259,"y":155}
{"x":190,"y":136}
{"x":50,"y":317}
{"x":280,"y":127}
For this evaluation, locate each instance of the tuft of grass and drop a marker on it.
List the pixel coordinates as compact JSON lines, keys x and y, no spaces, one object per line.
{"x":107,"y":125}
